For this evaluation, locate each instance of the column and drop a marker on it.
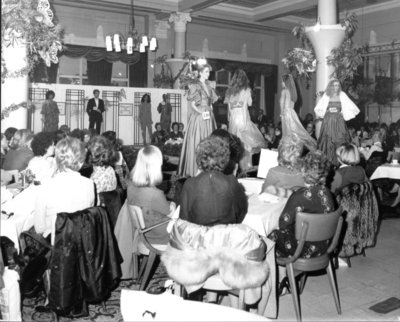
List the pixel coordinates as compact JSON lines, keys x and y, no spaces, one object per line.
{"x":177,"y":63}
{"x":325,"y":36}
{"x":180,"y":19}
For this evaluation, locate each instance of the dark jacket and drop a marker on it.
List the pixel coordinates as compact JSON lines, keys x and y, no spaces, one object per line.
{"x":213,"y":198}
{"x":85,"y":264}
{"x":91,"y":106}
{"x":347,"y":175}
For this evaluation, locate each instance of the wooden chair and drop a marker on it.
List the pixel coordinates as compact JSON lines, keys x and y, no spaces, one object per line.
{"x":313,"y":228}
{"x":149,"y":250}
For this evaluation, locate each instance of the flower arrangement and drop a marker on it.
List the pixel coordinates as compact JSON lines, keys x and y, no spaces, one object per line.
{"x":30,"y":22}
{"x":300,"y":60}
{"x":5,"y":112}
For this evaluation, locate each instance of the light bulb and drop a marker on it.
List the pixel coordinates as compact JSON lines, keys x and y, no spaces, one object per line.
{"x":142,"y":48}
{"x":129,"y":45}
{"x":153,"y":44}
{"x":145,"y":41}
{"x":117,"y":44}
{"x":108,"y":43}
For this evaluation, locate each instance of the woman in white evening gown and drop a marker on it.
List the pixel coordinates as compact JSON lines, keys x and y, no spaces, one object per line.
{"x":238,"y":98}
{"x":292,"y":129}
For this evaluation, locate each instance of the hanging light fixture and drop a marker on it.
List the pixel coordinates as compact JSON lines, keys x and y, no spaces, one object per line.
{"x":134,"y":41}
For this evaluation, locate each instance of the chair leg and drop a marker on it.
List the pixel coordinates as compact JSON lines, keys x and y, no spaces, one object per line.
{"x":333,"y":284}
{"x":143,"y":265}
{"x":135,"y":263}
{"x":149,"y":266}
{"x":303,"y":282}
{"x":293,"y":286}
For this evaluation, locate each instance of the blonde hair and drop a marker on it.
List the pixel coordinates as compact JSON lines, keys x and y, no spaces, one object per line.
{"x":70,"y":154}
{"x":147,"y":169}
{"x":348,"y":154}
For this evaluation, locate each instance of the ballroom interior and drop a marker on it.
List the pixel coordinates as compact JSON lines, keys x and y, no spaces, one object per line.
{"x":103,"y":48}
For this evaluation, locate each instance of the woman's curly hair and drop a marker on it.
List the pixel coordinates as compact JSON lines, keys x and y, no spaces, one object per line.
{"x":239,"y":82}
{"x":213,"y":154}
{"x":70,"y":154}
{"x":289,"y":154}
{"x":41,"y":142}
{"x":315,"y":168}
{"x":101,"y":152}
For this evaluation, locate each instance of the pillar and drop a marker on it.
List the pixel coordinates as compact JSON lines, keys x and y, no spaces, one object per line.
{"x":176,"y":64}
{"x":325,"y":36}
{"x":14,"y":90}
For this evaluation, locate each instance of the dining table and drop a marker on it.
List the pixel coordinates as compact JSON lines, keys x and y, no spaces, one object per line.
{"x":17,"y":212}
{"x":387,"y":170}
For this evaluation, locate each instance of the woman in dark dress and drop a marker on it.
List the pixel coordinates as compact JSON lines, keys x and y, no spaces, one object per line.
{"x":313,"y":198}
{"x":50,"y":113}
{"x":165,"y":109}
{"x":335,"y":107}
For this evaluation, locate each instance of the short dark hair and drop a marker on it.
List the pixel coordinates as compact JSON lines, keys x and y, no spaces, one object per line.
{"x":173,"y":124}
{"x":9,"y":132}
{"x":213,"y":154}
{"x":48,"y":93}
{"x":158,"y":123}
{"x":77,"y":133}
{"x":96,"y":91}
{"x":101,"y":152}
{"x":41,"y":142}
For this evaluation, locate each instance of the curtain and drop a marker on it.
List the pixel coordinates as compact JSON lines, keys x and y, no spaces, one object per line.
{"x":270,"y":88}
{"x":99,"y":72}
{"x":138,"y":72}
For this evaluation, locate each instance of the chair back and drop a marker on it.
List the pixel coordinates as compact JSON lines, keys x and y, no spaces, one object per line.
{"x":137,"y":217}
{"x":319,"y":226}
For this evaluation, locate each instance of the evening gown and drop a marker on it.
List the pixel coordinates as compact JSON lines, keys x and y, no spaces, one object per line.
{"x":333,"y":132}
{"x":292,"y":129}
{"x":240,"y":123}
{"x":50,"y":113}
{"x":198,"y":128}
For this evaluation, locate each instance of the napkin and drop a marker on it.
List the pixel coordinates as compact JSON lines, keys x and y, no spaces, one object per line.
{"x":269,"y":198}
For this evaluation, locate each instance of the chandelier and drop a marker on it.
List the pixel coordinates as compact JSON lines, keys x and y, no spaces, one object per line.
{"x":134,"y":41}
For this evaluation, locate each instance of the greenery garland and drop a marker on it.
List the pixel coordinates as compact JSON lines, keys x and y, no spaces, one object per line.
{"x":345,"y":59}
{"x":5,"y":112}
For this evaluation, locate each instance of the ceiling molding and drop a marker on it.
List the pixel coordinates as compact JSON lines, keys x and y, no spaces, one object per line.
{"x":196,"y":5}
{"x":281,"y":8}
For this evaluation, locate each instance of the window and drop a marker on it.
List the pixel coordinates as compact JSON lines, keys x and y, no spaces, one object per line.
{"x":222,"y":78}
{"x":120,"y":74}
{"x":72,"y":71}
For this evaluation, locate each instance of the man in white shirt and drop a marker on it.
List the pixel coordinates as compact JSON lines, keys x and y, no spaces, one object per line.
{"x":95,"y":108}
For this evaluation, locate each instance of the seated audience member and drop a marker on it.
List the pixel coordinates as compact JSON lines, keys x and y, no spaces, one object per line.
{"x":181,"y":128}
{"x":101,"y":156}
{"x":58,"y":136}
{"x":142,"y":192}
{"x":4,"y":148}
{"x":20,"y":153}
{"x":287,"y":174}
{"x":159,"y":136}
{"x":120,"y":166}
{"x":175,"y":133}
{"x":212,"y":197}
{"x":88,"y":134}
{"x":348,"y":171}
{"x":9,"y":133}
{"x":376,"y":145}
{"x":278,"y":137}
{"x":235,"y":147}
{"x":313,"y":198}
{"x":270,"y":136}
{"x":43,"y":165}
{"x":67,"y":190}
{"x":77,"y":133}
{"x":310,"y":129}
{"x":355,"y":139}
{"x":65,"y":128}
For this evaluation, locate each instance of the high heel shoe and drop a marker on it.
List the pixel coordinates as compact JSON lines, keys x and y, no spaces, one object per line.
{"x":284,"y":287}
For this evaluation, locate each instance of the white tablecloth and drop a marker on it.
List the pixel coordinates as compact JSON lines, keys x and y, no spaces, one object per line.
{"x":391,"y":171}
{"x":262,"y":216}
{"x":23,"y":207}
{"x":137,"y":306}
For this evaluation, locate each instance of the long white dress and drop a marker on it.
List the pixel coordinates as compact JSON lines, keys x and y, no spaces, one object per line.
{"x":292,"y":129}
{"x":240,"y":123}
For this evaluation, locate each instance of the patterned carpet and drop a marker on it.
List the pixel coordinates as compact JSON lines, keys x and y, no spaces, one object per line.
{"x":96,"y":311}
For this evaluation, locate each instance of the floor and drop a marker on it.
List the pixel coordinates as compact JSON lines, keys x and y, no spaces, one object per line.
{"x":371,"y":279}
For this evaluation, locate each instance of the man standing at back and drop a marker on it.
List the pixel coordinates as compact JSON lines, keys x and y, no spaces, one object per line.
{"x":95,"y":108}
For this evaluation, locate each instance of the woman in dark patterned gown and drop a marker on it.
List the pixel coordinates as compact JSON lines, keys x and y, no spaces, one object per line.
{"x":50,"y":113}
{"x":313,"y":198}
{"x":335,"y":107}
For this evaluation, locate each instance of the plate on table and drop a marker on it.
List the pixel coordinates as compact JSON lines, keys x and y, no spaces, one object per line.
{"x":268,"y":198}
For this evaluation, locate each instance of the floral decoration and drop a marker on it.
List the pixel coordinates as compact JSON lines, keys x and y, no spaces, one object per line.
{"x":5,"y":112}
{"x":302,"y":60}
{"x":30,"y":22}
{"x":26,"y":177}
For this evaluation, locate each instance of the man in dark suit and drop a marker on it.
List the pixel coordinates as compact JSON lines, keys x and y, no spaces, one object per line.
{"x":95,"y":108}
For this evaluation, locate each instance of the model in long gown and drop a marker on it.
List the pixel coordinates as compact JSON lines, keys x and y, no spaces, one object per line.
{"x":333,"y":132}
{"x":292,"y":129}
{"x":240,"y":123}
{"x":199,"y":126}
